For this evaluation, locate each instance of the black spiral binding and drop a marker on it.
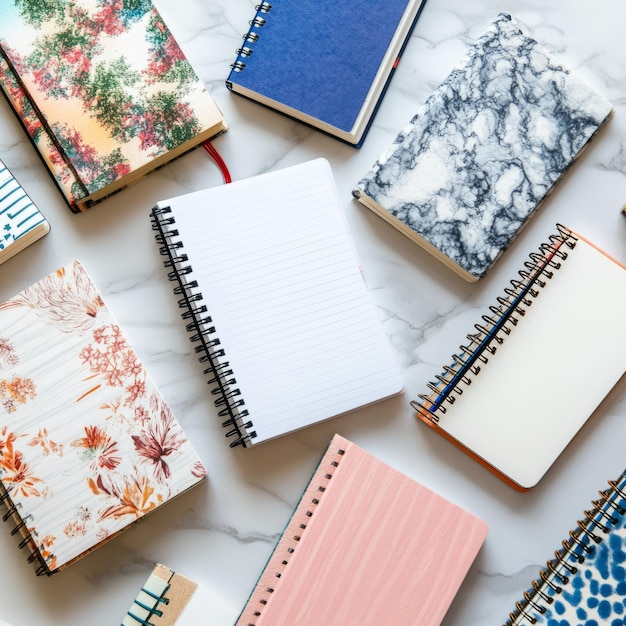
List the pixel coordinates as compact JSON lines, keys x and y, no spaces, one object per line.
{"x":589,"y":532}
{"x":22,"y":529}
{"x":512,"y":306}
{"x":252,"y":36}
{"x":202,"y":332}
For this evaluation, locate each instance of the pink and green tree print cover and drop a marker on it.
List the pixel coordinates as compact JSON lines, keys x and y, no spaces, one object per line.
{"x":105,"y":83}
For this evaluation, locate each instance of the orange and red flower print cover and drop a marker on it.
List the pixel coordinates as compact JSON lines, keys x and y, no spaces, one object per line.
{"x":87,"y":443}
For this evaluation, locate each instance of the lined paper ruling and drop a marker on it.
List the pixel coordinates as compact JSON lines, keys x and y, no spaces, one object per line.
{"x":273,"y":296}
{"x":366,"y":545}
{"x":88,"y":446}
{"x":537,"y":364}
{"x":483,"y":152}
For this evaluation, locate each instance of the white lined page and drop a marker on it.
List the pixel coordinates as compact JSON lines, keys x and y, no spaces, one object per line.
{"x":278,"y":274}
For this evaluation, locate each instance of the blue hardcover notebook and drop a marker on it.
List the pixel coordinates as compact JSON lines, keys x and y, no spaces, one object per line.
{"x":477,"y":160}
{"x":324,"y":64}
{"x":21,"y":222}
{"x":585,"y":583}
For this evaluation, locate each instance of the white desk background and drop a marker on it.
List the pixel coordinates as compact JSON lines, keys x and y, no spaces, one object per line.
{"x":220,"y":534}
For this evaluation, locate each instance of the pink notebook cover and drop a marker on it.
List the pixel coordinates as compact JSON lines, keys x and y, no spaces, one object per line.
{"x":366,"y":545}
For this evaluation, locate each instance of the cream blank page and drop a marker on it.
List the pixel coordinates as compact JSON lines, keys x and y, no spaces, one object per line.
{"x":551,"y":372}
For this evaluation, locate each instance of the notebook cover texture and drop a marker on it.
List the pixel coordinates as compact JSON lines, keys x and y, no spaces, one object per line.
{"x":21,"y":222}
{"x":486,"y":148}
{"x":366,"y":545}
{"x":322,"y":59}
{"x":103,"y":90}
{"x":88,"y":446}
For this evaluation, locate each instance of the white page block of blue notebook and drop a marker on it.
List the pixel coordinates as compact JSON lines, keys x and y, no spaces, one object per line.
{"x":277,"y":270}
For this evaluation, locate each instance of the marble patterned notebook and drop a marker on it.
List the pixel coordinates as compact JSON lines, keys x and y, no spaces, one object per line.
{"x":88,"y":445}
{"x":474,"y":164}
{"x":585,"y":584}
{"x":365,"y":545}
{"x":21,"y":222}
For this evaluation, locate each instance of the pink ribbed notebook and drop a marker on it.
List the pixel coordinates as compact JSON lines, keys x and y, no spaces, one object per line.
{"x":366,"y":545}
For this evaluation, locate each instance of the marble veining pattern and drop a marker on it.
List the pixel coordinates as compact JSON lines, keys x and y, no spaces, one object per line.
{"x":220,"y":534}
{"x":475,"y":162}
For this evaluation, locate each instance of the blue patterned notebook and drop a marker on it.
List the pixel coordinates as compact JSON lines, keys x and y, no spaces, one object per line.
{"x":486,"y":148}
{"x":21,"y":223}
{"x":585,"y":585}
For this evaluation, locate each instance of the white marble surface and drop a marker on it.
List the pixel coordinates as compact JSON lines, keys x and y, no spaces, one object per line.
{"x":220,"y":534}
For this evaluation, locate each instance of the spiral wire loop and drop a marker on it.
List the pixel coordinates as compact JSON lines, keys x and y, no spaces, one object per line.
{"x":494,"y":328}
{"x":201,"y":331}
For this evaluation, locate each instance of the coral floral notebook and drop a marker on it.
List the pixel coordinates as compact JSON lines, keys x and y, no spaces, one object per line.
{"x":366,"y":545}
{"x":87,"y":444}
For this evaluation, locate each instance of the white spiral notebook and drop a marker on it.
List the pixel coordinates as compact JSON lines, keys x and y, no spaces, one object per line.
{"x":275,"y":302}
{"x":538,"y":363}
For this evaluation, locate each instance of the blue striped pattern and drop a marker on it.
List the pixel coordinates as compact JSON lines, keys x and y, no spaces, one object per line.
{"x":18,"y":214}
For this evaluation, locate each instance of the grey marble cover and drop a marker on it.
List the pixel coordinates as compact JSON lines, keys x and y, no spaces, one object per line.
{"x":487,"y":146}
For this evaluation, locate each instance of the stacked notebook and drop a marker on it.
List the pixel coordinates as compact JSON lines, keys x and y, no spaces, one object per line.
{"x":365,"y":545}
{"x":87,"y":444}
{"x":103,"y":91}
{"x":478,"y":159}
{"x":168,"y":598}
{"x":274,"y":299}
{"x":21,"y":222}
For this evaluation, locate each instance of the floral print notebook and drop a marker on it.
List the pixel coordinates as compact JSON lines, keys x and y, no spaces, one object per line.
{"x":87,"y":444}
{"x":103,"y":89}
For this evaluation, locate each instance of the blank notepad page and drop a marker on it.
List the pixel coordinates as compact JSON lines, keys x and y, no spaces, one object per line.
{"x":277,"y":271}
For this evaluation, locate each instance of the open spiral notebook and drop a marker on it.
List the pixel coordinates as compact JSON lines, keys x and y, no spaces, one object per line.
{"x":537,"y":364}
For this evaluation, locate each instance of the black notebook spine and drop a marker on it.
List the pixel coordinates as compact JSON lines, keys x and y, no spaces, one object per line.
{"x":199,"y":325}
{"x":492,"y":331}
{"x":22,"y":529}
{"x":251,"y":37}
{"x":606,"y":514}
